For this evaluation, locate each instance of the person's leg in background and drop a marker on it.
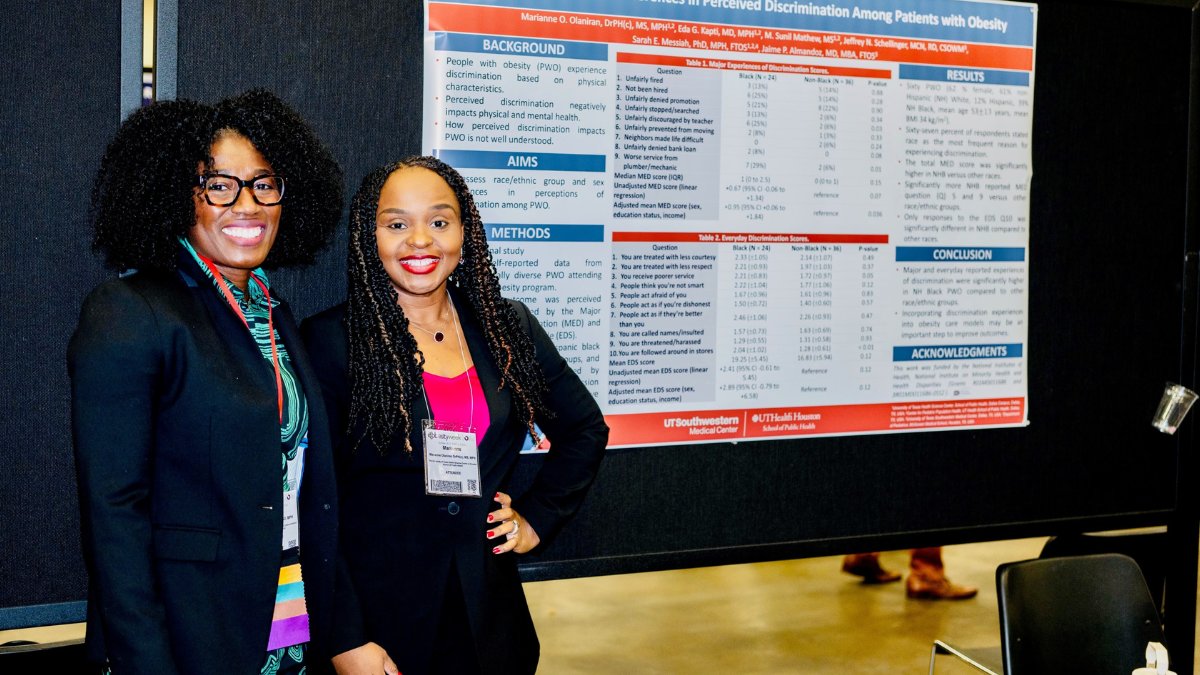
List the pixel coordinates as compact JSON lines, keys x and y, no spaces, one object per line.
{"x":867,"y":566}
{"x":927,"y":578}
{"x":926,"y":574}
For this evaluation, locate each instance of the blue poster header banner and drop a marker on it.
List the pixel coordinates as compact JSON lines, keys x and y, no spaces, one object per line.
{"x":964,"y":75}
{"x":957,"y":352}
{"x":958,"y":254}
{"x":484,"y":44}
{"x":1003,"y":23}
{"x":520,"y":161}
{"x":560,"y":233}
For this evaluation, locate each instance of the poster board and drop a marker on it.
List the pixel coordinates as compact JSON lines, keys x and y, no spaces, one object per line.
{"x":755,"y":220}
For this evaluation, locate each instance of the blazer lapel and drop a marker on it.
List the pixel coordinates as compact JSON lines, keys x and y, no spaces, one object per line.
{"x":228,"y":326}
{"x":289,"y":334}
{"x":499,"y":401}
{"x":250,"y":466}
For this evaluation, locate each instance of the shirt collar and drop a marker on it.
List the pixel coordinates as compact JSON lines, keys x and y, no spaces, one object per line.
{"x":254,"y":291}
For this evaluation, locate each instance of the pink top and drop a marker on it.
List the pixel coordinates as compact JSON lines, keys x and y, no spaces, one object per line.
{"x":450,"y":401}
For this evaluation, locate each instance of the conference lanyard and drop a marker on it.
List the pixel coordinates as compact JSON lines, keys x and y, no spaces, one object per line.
{"x":270,"y":323}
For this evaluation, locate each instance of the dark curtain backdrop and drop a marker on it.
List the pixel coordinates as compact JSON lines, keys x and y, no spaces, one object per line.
{"x":59,"y":108}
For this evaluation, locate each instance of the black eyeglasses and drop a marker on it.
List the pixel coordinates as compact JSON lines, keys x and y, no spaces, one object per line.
{"x":223,"y":190}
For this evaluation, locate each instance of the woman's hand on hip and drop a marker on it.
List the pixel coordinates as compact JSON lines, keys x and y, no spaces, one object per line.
{"x":519,"y":535}
{"x":369,"y":659}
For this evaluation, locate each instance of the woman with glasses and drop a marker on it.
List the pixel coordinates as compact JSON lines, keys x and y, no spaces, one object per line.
{"x":206,"y":481}
{"x":433,"y":381}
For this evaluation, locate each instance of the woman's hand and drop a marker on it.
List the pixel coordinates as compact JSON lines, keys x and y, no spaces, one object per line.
{"x":518,"y":534}
{"x":369,"y":659}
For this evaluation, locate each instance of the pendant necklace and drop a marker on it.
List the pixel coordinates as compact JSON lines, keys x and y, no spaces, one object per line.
{"x":438,"y":336}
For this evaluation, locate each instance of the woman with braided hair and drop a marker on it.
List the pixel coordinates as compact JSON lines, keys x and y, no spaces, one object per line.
{"x":436,"y":380}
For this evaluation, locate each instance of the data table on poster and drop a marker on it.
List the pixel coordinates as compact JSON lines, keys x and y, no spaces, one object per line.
{"x":746,"y":220}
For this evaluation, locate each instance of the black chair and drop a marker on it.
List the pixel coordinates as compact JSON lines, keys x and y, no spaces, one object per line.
{"x":1083,"y":614}
{"x":984,"y":659}
{"x":1147,"y":546}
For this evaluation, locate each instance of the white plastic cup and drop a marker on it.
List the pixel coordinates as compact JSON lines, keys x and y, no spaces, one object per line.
{"x":1176,"y":401}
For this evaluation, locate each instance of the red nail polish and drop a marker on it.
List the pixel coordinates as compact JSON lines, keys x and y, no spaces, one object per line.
{"x":491,"y":534}
{"x":490,"y":517}
{"x":497,"y":497}
{"x":496,"y":550}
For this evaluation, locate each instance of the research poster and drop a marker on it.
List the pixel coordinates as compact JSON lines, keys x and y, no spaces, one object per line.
{"x":755,"y":219}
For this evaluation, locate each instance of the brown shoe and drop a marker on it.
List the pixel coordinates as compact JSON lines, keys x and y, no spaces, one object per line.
{"x":937,"y":588}
{"x":866,"y":565}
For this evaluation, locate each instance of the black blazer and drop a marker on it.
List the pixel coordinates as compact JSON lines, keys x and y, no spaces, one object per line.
{"x":400,"y":543}
{"x":177,"y":451}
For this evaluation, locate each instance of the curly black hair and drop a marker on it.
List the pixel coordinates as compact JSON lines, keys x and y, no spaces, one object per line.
{"x":142,"y":199}
{"x":385,"y":363}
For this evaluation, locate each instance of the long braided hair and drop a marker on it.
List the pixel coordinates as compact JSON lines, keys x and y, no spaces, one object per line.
{"x":385,"y":363}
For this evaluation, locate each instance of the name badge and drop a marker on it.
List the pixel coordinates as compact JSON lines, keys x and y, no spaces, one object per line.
{"x":451,"y":459}
{"x":293,"y":472}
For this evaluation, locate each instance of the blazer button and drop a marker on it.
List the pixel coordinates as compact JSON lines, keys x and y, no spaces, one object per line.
{"x":452,"y":507}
